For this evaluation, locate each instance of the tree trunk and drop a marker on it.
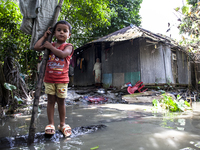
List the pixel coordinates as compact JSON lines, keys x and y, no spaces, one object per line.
{"x":40,"y":81}
{"x":4,"y":93}
{"x":196,"y":79}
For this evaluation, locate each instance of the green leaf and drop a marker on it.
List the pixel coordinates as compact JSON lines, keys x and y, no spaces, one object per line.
{"x":9,"y":86}
{"x":186,"y":103}
{"x":185,"y":9}
{"x":155,"y":102}
{"x":177,"y":8}
{"x":18,"y":99}
{"x":93,"y":148}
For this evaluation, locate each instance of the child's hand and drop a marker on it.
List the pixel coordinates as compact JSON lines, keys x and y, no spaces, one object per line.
{"x":47,"y":33}
{"x":47,"y":45}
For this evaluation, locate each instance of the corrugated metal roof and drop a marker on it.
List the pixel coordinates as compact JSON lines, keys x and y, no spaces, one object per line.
{"x":133,"y":32}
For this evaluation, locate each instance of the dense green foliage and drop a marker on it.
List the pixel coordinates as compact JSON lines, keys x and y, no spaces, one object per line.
{"x":167,"y":102}
{"x":89,"y":18}
{"x":94,"y":19}
{"x":190,"y":25}
{"x":13,"y":41}
{"x":192,"y":2}
{"x":83,"y":15}
{"x":125,"y":13}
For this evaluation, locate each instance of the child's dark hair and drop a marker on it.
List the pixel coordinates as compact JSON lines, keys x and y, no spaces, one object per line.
{"x":63,"y":22}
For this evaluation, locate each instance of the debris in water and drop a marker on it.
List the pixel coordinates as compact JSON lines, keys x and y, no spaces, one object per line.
{"x":95,"y":99}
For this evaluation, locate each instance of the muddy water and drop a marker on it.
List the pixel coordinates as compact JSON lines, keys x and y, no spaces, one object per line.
{"x":129,"y":127}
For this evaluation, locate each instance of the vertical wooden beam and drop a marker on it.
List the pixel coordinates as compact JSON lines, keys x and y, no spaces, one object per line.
{"x":32,"y":127}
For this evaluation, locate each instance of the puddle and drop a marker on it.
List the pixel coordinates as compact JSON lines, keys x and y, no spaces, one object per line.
{"x":128,"y":127}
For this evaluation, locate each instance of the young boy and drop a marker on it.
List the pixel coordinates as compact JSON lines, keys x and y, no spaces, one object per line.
{"x":56,"y":74}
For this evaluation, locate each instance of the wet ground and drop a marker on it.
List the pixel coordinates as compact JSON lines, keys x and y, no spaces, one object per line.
{"x":128,"y":126}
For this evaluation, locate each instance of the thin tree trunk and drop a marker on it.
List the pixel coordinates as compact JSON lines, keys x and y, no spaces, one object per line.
{"x":4,"y":93}
{"x":40,"y":81}
{"x":196,"y":79}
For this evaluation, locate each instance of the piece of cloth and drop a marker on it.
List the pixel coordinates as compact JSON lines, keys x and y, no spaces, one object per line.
{"x":83,"y":66}
{"x":81,"y":63}
{"x":97,"y":70}
{"x":58,"y":89}
{"x":37,"y":15}
{"x":57,"y":68}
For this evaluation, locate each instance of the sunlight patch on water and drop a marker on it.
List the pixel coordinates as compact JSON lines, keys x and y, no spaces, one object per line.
{"x":197,"y":145}
{"x":187,"y":148}
{"x":91,"y":107}
{"x":191,"y":142}
{"x":170,"y":134}
{"x":171,"y":142}
{"x":182,"y":122}
{"x":154,"y":143}
{"x":180,"y":128}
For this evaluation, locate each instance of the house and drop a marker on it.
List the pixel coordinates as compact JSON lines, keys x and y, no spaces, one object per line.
{"x":132,"y":54}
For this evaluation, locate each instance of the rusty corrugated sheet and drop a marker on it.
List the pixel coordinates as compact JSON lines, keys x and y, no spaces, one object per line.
{"x":132,"y":32}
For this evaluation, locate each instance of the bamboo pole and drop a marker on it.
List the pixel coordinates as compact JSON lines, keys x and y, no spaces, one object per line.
{"x":32,"y":127}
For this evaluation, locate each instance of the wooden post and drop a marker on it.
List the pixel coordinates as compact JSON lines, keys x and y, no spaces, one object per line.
{"x":40,"y":81}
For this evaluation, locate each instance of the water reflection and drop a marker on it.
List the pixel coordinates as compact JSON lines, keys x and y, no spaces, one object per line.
{"x":126,"y":129}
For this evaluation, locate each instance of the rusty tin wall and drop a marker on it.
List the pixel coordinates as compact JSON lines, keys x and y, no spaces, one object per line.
{"x":120,"y":63}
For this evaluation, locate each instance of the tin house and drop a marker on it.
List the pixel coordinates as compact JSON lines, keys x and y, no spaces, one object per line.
{"x":132,"y":54}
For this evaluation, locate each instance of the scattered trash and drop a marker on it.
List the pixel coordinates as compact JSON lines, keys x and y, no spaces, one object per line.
{"x":101,"y":90}
{"x":15,"y":115}
{"x":124,"y":86}
{"x":95,"y":99}
{"x":24,"y":126}
{"x":137,"y":87}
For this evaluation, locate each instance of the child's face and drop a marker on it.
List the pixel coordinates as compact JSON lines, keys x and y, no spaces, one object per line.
{"x":62,"y":32}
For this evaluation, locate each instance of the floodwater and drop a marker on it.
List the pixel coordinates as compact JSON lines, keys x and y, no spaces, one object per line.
{"x":128,"y":127}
